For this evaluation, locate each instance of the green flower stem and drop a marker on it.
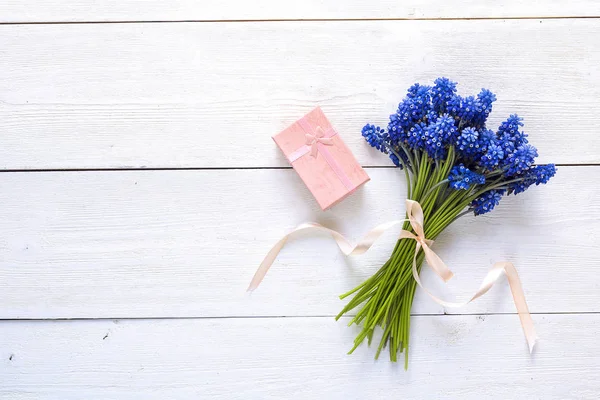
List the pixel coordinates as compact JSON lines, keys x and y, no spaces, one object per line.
{"x":409,"y":184}
{"x":468,"y":211}
{"x":385,"y":299}
{"x":410,"y":158}
{"x":416,"y":158}
{"x":406,"y":169}
{"x":427,"y":195}
{"x":437,"y":182}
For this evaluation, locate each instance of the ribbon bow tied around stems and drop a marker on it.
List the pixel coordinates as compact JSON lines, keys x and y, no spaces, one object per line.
{"x":314,"y":140}
{"x":414,"y":212}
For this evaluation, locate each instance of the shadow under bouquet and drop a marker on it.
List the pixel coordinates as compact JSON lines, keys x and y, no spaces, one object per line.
{"x":454,"y":166}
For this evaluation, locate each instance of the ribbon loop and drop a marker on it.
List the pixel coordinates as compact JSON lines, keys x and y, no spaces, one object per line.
{"x":318,"y":138}
{"x":415,"y":216}
{"x":344,"y":245}
{"x":414,"y":213}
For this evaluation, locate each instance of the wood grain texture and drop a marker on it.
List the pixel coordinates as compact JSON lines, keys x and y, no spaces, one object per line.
{"x":181,"y":245}
{"x":186,"y":243}
{"x":452,"y":357}
{"x":212,"y":94}
{"x":155,"y":10}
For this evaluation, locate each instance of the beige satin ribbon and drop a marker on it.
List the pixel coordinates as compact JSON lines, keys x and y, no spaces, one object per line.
{"x":414,"y":213}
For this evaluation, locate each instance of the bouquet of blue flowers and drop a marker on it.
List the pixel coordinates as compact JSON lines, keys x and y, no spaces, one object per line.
{"x":454,"y":166}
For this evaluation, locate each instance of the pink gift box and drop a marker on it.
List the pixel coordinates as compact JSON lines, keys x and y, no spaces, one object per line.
{"x":321,"y":158}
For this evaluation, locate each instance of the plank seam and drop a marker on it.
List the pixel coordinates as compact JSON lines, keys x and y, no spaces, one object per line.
{"x":179,"y":21}
{"x":286,"y":316}
{"x":216,"y":168}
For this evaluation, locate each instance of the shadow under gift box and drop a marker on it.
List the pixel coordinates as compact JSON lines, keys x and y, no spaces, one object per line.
{"x":321,"y":158}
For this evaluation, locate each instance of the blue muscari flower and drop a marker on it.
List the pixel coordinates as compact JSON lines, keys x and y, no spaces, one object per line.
{"x":395,"y":160}
{"x":492,"y":157}
{"x":395,"y":152}
{"x":518,"y":187}
{"x":453,"y":105}
{"x":520,"y":160}
{"x":397,"y":128}
{"x":468,"y":109}
{"x":511,"y":125}
{"x":440,"y":134}
{"x":375,"y":136}
{"x":465,"y":109}
{"x":509,"y":134}
{"x":416,"y":136}
{"x":411,"y":110}
{"x":419,"y":91}
{"x":543,"y":173}
{"x":443,"y":90}
{"x":432,"y":117}
{"x":445,"y":129}
{"x":468,"y":144}
{"x":507,"y":144}
{"x":484,"y":101}
{"x":462,"y":178}
{"x":487,"y":201}
{"x":487,"y":136}
{"x":538,"y":175}
{"x":434,"y":146}
{"x":421,"y":97}
{"x":486,"y":98}
{"x":379,"y":139}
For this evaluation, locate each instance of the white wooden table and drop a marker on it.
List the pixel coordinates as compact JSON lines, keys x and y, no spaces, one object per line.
{"x":137,"y":164}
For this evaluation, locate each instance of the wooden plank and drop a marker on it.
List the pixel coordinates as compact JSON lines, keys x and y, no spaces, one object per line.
{"x":155,"y":10}
{"x":452,"y":357}
{"x":211,"y":95}
{"x":186,"y":243}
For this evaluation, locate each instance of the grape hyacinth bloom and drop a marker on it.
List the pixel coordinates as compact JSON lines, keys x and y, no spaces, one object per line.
{"x":441,"y":93}
{"x":375,"y":136}
{"x":461,"y":178}
{"x":468,"y":143}
{"x":492,"y":157}
{"x":439,"y":134}
{"x":543,"y":173}
{"x":540,"y":174}
{"x":510,"y":135}
{"x":487,"y":136}
{"x":395,"y":160}
{"x":416,"y":136}
{"x":485,"y":98}
{"x":521,"y":160}
{"x":486,"y":202}
{"x":466,"y":109}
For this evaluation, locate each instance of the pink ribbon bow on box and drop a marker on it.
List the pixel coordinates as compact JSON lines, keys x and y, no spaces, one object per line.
{"x":314,"y":140}
{"x":314,"y":144}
